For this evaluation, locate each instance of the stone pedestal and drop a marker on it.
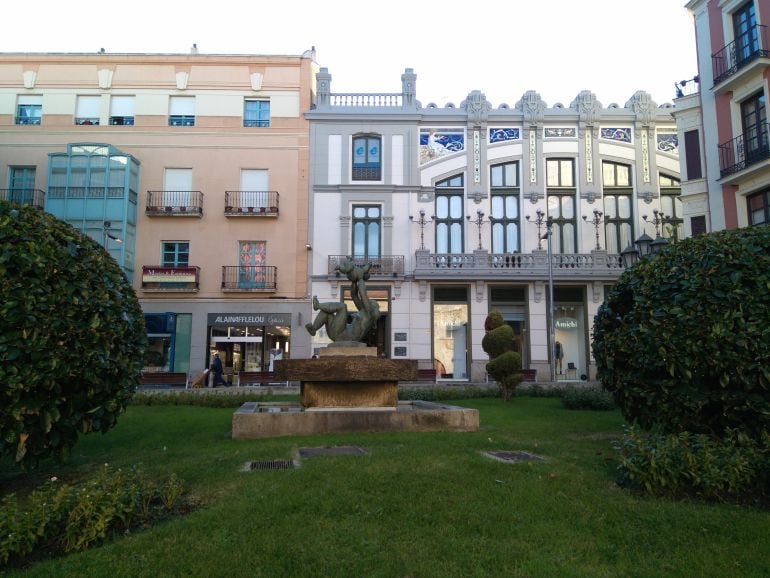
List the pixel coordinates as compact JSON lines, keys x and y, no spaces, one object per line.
{"x":347,"y":380}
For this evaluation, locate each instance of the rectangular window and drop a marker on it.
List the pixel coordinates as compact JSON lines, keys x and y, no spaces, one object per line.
{"x":745,"y":32}
{"x":252,"y":258}
{"x":122,"y":110}
{"x":177,"y":187}
{"x":692,"y":155}
{"x":671,"y":207}
{"x":367,"y":228}
{"x":618,"y":218}
{"x":505,"y":220}
{"x":367,"y":153}
{"x":256,"y":113}
{"x":254,"y":189}
{"x":21,"y":185}
{"x":698,"y":225}
{"x":175,"y":254}
{"x":754,"y":120}
{"x":29,"y":110}
{"x":181,"y":111}
{"x":560,"y":193}
{"x":449,"y":215}
{"x":88,"y":110}
{"x":759,"y":208}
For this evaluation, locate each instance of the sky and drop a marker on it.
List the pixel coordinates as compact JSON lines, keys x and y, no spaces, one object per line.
{"x":555,"y":47}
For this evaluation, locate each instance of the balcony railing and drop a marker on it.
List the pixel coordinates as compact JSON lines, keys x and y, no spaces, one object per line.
{"x":251,"y":203}
{"x":181,"y":120}
{"x":364,"y":99}
{"x":34,"y":197}
{"x":741,"y":52}
{"x":122,"y":120}
{"x":83,"y":121}
{"x":175,"y":203}
{"x":28,"y":120}
{"x":598,"y":264}
{"x":256,"y":278}
{"x":159,"y":278}
{"x":384,"y":265}
{"x":744,"y":150}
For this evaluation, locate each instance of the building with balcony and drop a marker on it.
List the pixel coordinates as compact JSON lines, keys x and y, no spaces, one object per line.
{"x":453,"y":205}
{"x":191,"y":170}
{"x":722,"y":127}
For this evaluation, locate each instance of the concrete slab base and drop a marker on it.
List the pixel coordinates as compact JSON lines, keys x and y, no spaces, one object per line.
{"x":262,"y":420}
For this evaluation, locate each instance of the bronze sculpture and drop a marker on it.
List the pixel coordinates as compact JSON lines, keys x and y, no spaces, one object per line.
{"x":334,"y":315}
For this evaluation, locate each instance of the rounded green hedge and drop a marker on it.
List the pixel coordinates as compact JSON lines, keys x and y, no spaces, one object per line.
{"x":683,"y":338}
{"x":72,"y":336}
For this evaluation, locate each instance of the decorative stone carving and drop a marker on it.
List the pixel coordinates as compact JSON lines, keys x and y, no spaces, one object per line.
{"x":323,"y":87}
{"x":477,"y":106}
{"x":30,"y":77}
{"x":588,"y":107}
{"x":538,"y":291}
{"x":182,"y":78}
{"x":533,"y":107}
{"x":643,"y":106}
{"x":409,"y":87}
{"x":105,"y":78}
{"x":256,"y":80}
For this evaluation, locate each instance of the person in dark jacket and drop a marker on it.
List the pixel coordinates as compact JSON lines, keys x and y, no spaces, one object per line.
{"x":216,"y":367}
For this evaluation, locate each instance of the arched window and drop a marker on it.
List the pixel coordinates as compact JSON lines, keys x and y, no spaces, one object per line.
{"x":367,"y":158}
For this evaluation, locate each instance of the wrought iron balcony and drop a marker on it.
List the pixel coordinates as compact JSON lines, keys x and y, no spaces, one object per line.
{"x":744,"y":150}
{"x":181,"y":120}
{"x":174,"y":203}
{"x":84,"y":121}
{"x":34,"y":197}
{"x":382,"y":266}
{"x":159,"y":278}
{"x":122,"y":120}
{"x":741,"y":52}
{"x":28,"y":120}
{"x":253,"y":278}
{"x":251,"y":203}
{"x":480,"y":264}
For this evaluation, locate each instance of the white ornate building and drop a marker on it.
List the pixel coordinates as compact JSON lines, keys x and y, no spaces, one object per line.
{"x":452,"y":205}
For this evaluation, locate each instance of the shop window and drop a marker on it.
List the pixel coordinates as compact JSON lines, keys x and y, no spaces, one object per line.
{"x":450,"y":332}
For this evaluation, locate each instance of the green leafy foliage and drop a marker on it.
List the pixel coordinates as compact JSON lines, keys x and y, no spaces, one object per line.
{"x":589,"y":398}
{"x":683,"y":339}
{"x":695,"y":464}
{"x":505,"y":363}
{"x":60,"y":517}
{"x":72,"y":336}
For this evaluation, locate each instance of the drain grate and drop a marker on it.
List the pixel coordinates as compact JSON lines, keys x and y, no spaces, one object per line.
{"x":270,"y":465}
{"x":514,"y":457}
{"x":331,"y":451}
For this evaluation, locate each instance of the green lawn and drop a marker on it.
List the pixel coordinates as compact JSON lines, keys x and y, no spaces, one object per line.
{"x":417,"y":505}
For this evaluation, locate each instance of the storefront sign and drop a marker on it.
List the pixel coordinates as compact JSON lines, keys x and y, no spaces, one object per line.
{"x":566,"y":323}
{"x":170,"y":275}
{"x":236,"y":319}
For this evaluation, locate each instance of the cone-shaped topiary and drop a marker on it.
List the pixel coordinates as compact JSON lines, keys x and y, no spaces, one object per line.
{"x":72,"y":336}
{"x":683,"y":339}
{"x":505,"y":363}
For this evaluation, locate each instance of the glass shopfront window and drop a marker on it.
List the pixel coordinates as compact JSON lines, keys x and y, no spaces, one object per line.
{"x":450,"y":332}
{"x":570,"y":336}
{"x":245,"y":344}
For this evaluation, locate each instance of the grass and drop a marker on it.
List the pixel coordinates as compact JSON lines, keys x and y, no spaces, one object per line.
{"x":417,"y":505}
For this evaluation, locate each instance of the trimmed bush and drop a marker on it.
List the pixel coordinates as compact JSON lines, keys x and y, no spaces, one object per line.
{"x":72,"y":336}
{"x":505,"y":363}
{"x":590,"y":398}
{"x":683,"y":338}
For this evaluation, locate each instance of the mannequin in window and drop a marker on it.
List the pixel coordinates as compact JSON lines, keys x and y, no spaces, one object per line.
{"x":558,"y":355}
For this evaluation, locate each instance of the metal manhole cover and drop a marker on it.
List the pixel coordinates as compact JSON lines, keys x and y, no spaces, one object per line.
{"x":331,"y":451}
{"x":514,"y":457}
{"x":269,"y":465}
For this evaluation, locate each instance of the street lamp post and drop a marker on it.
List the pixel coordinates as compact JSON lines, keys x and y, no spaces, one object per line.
{"x":551,"y":321}
{"x":421,"y":222}
{"x":478,"y":221}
